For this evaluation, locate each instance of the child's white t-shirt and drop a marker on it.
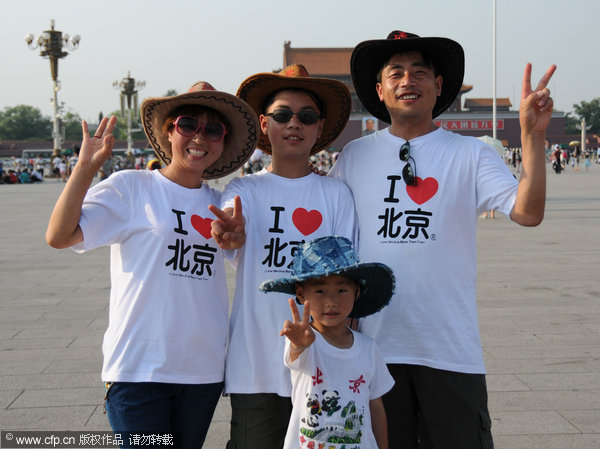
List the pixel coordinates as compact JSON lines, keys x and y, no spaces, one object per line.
{"x":332,"y":388}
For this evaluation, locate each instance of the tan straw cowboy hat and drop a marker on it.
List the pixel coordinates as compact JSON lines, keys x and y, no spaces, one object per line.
{"x":334,"y":96}
{"x":241,"y":136}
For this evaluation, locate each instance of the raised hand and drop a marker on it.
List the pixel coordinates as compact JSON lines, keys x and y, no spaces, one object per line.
{"x":536,"y":106}
{"x":535,"y":113}
{"x":63,"y":229}
{"x":97,"y":149}
{"x":299,"y":332}
{"x":229,"y":229}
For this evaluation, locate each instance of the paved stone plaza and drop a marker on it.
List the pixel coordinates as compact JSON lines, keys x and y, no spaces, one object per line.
{"x":539,"y":304}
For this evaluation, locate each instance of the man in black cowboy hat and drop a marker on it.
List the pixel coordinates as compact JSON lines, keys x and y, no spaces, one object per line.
{"x":418,"y":192}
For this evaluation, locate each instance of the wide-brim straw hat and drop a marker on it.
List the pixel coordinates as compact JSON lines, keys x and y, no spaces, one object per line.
{"x":325,"y":256}
{"x":334,"y":96}
{"x":368,"y":57}
{"x":242,"y":132}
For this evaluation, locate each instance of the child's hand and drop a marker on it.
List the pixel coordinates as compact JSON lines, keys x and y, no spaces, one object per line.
{"x":229,"y":231}
{"x":299,"y":333}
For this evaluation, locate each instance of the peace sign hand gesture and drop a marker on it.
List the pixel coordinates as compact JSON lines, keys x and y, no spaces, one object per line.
{"x":229,"y":229}
{"x":536,"y":106}
{"x":299,"y":332}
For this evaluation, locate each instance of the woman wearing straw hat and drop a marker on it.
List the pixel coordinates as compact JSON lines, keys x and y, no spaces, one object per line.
{"x":164,"y":350}
{"x":284,"y":204}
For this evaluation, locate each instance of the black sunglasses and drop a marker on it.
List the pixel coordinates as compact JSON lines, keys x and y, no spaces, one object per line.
{"x":189,"y":126}
{"x":307,"y":117}
{"x":409,"y":174}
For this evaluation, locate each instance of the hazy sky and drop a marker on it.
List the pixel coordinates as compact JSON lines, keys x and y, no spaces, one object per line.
{"x":172,"y":44}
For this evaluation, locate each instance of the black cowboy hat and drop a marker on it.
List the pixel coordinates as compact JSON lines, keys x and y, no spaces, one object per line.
{"x":368,"y":57}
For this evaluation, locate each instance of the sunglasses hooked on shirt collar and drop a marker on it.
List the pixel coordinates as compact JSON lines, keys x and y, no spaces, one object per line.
{"x":409,"y":174}
{"x":306,"y":117}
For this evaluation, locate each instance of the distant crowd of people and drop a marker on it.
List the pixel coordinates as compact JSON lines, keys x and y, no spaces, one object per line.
{"x":17,"y":170}
{"x":320,"y":162}
{"x":21,"y":171}
{"x":323,"y":161}
{"x":561,"y":158}
{"x":512,"y":157}
{"x":26,"y":171}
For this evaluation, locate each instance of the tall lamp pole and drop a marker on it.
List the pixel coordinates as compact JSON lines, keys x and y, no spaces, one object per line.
{"x":494,"y":104}
{"x":129,"y":104}
{"x":52,"y":44}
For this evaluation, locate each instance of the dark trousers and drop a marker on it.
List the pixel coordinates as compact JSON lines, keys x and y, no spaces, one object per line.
{"x":436,"y":409}
{"x":181,"y":410}
{"x":259,"y":421}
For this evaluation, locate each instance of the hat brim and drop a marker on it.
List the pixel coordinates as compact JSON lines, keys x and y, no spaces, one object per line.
{"x":377,"y":283}
{"x":240,"y":141}
{"x":334,"y":95}
{"x":368,"y":57}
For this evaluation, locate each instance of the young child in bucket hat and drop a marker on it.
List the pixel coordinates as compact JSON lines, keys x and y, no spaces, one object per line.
{"x":338,"y":375}
{"x":164,"y":350}
{"x":284,"y":205}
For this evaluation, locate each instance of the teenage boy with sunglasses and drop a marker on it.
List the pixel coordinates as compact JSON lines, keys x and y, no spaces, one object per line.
{"x":426,"y":188}
{"x":284,"y":205}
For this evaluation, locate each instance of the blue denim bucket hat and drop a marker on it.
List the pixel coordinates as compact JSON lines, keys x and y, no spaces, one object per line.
{"x":335,"y":255}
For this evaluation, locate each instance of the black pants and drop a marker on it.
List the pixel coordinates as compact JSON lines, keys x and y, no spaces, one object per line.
{"x":435,"y":409}
{"x":259,"y":421}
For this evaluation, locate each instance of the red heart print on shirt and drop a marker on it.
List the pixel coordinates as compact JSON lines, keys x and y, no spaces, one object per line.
{"x":305,"y":221}
{"x":423,"y":191}
{"x":202,"y":225}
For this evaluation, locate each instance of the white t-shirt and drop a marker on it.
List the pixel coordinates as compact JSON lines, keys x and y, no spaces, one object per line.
{"x":168,"y":300}
{"x":427,"y":234}
{"x":72,"y":161}
{"x":280,"y":214}
{"x":332,"y":388}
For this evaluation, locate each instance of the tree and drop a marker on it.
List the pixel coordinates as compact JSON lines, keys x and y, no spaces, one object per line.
{"x":72,"y":124}
{"x":590,"y":110}
{"x":24,"y":122}
{"x":120,"y":131}
{"x":571,"y":124}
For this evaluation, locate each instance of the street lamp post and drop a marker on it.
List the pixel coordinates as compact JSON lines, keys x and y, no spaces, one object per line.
{"x":52,"y":44}
{"x":584,"y":129}
{"x":129,"y":98}
{"x":494,"y":101}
